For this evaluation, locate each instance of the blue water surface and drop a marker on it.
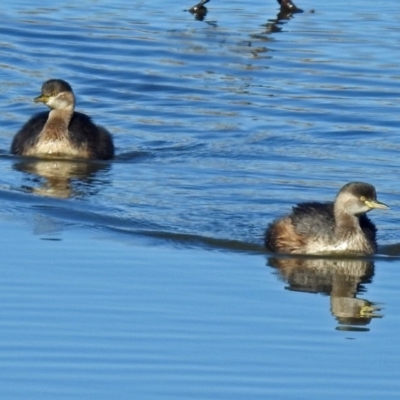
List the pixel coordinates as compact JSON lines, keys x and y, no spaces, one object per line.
{"x":145,"y":277}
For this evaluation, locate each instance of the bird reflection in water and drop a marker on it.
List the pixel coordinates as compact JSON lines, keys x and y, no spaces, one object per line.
{"x":59,"y":178}
{"x":199,"y":10}
{"x":286,"y":12}
{"x":341,"y":279}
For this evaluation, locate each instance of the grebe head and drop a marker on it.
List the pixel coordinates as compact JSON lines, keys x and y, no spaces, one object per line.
{"x":357,"y":198}
{"x":57,"y":94}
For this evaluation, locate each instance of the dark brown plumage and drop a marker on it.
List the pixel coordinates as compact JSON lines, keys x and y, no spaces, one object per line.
{"x":199,"y":10}
{"x":62,"y":132}
{"x":199,"y":6}
{"x":289,"y":6}
{"x":329,"y":228}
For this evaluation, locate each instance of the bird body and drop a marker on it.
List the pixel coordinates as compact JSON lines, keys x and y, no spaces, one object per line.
{"x":199,"y":6}
{"x":62,"y":132}
{"x":339,"y":227}
{"x":289,"y":6}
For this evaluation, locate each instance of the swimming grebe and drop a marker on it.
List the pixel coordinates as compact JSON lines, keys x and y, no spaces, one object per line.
{"x":62,"y":132}
{"x":328,"y":228}
{"x":199,"y":7}
{"x":289,"y":6}
{"x":199,"y":10}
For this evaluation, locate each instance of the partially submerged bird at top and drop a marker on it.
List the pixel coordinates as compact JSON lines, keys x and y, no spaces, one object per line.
{"x":339,"y":227}
{"x":62,"y":132}
{"x":289,"y":6}
{"x":199,"y":10}
{"x":199,"y":7}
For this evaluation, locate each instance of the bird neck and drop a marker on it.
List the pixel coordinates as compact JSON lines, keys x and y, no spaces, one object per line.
{"x":64,"y":114}
{"x":58,"y":121}
{"x":346,"y":223}
{"x":350,"y":237}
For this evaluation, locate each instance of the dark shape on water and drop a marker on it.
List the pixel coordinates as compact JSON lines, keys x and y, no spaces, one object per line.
{"x":341,"y":227}
{"x":289,"y":7}
{"x":286,"y":12}
{"x":62,"y":132}
{"x":199,"y":10}
{"x":198,"y":6}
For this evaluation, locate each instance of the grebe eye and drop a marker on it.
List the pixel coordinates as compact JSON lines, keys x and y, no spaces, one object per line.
{"x":362,"y":198}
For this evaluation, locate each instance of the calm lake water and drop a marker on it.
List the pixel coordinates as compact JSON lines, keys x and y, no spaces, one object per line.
{"x":145,"y":277}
